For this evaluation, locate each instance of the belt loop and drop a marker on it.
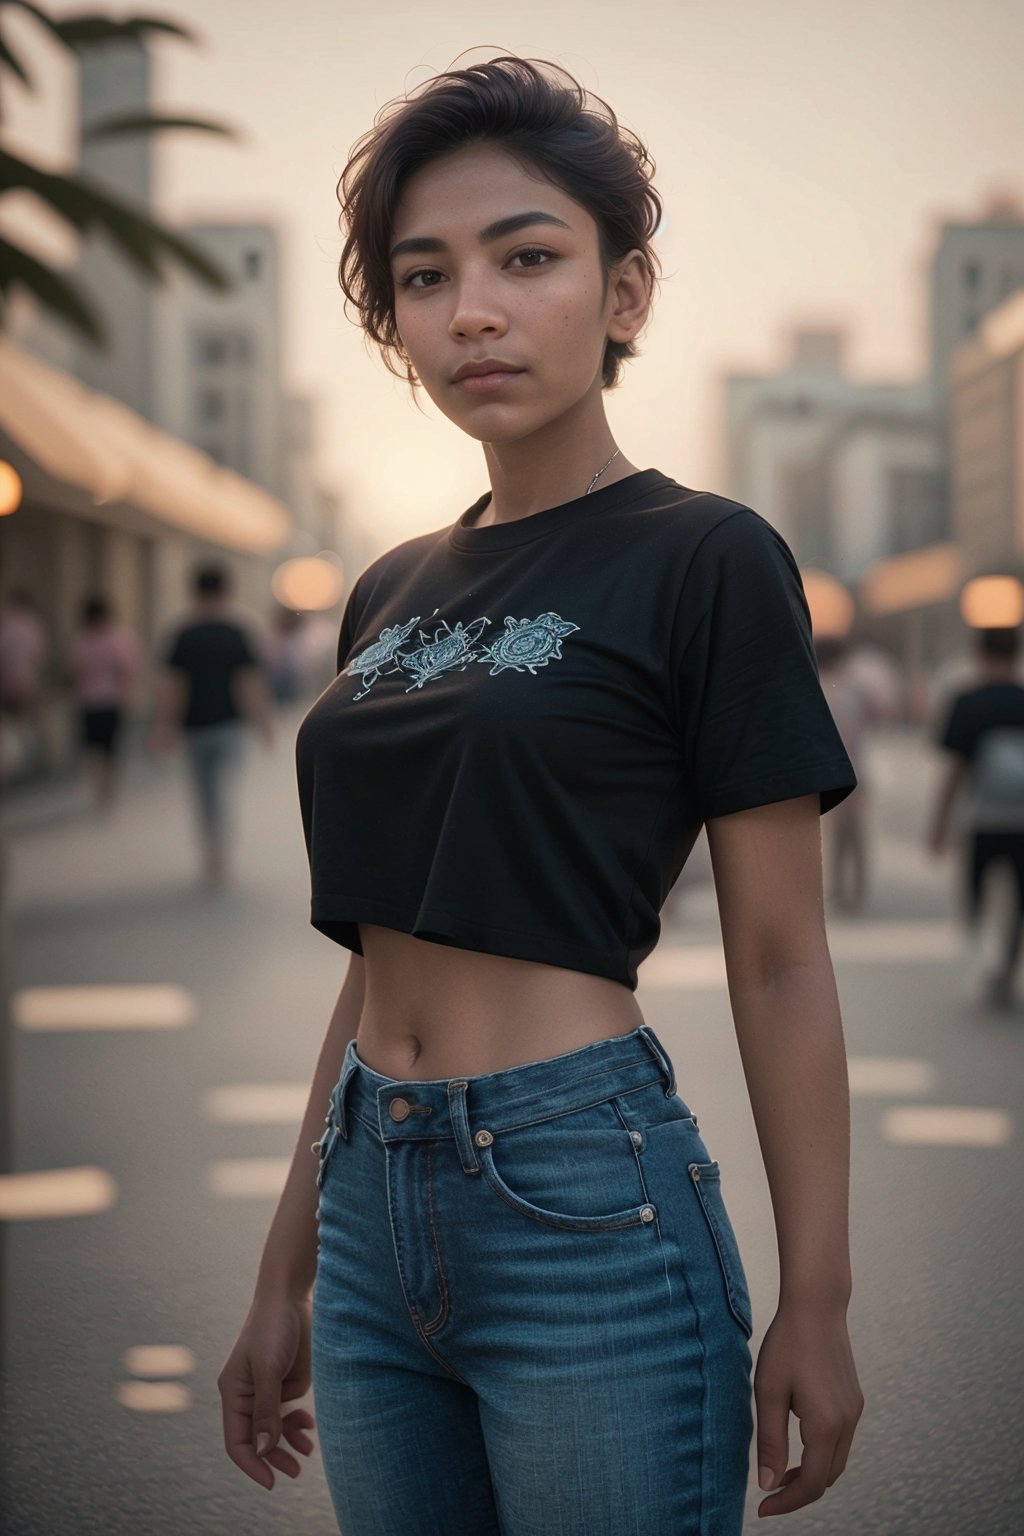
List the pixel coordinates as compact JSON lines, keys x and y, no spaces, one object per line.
{"x":347,"y":1073}
{"x":661,"y":1057}
{"x":460,"y":1122}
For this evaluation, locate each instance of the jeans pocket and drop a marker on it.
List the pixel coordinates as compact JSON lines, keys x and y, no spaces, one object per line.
{"x":707,"y":1181}
{"x":323,"y":1149}
{"x":576,"y":1171}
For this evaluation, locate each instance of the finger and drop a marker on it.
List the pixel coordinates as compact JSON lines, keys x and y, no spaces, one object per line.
{"x":806,"y":1483}
{"x":841,"y":1453}
{"x":294,"y":1427}
{"x":283,"y":1460}
{"x":772,"y":1435}
{"x":238,"y":1444}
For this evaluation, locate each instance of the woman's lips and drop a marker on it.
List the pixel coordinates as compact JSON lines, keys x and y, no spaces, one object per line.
{"x":487,"y":383}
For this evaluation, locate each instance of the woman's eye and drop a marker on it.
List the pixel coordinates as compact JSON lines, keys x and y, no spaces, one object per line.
{"x":410,"y":281}
{"x":544,"y":255}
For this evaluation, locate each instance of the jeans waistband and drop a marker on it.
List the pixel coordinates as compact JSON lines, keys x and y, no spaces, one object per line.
{"x":414,"y":1109}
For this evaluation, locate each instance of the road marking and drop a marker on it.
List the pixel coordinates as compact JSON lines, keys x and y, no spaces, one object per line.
{"x":103,"y":1007}
{"x":947,"y":1125}
{"x":257,"y":1103}
{"x":159,"y":1360}
{"x":701,"y":966}
{"x":154,"y":1396}
{"x":56,"y":1192}
{"x":878,"y":1075}
{"x":248,"y":1177}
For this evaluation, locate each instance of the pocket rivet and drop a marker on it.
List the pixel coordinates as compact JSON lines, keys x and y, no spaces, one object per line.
{"x":483,"y":1138}
{"x":647,"y":1214}
{"x":636,"y":1138}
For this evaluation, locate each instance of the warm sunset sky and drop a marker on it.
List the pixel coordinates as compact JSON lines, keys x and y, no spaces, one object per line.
{"x":805,"y":150}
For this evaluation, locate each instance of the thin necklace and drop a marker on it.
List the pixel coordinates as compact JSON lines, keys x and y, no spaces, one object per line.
{"x":600,"y":472}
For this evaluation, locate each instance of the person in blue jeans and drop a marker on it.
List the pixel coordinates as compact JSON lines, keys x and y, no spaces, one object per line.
{"x":211,"y":686}
{"x":981,"y":730}
{"x":513,"y":1283}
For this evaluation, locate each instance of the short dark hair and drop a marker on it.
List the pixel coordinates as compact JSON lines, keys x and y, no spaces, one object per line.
{"x":999,"y":641}
{"x":209,"y":580}
{"x":541,"y":115}
{"x":95,"y":609}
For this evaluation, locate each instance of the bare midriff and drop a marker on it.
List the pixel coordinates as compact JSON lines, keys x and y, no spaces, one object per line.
{"x":432,"y":1010}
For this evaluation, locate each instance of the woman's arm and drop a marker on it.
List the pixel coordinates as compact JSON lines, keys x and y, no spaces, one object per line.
{"x":288,"y":1264}
{"x":768,"y":880}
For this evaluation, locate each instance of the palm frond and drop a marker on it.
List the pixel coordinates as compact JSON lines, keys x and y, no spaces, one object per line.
{"x":150,"y":122}
{"x":84,"y":204}
{"x":86,"y":31}
{"x":56,"y":293}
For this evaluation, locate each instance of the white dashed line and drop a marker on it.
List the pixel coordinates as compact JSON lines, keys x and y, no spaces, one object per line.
{"x":257,"y":1103}
{"x":154,"y":1396}
{"x":875,"y":1076}
{"x":942,"y":1125}
{"x":159,"y":1360}
{"x":103,"y":1007}
{"x":56,"y":1192}
{"x":248,"y":1177}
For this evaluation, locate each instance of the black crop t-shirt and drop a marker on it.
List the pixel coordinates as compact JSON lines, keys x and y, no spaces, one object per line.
{"x":532,"y":720}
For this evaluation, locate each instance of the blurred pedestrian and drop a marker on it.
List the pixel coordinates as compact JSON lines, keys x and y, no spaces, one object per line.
{"x":103,"y":663}
{"x":982,"y":728}
{"x":285,"y":653}
{"x":24,"y":648}
{"x":211,"y":684}
{"x":859,"y":700}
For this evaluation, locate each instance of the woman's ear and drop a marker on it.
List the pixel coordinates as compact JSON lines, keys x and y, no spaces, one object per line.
{"x":629,"y":296}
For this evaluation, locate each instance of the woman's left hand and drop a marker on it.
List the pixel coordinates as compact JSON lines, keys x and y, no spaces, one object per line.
{"x":805,"y":1366}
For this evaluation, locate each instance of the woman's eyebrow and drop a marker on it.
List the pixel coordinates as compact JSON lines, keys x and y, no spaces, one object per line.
{"x":420,"y":244}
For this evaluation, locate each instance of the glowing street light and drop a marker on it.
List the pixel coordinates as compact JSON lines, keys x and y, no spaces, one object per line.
{"x":992,"y":602}
{"x":308,"y":583}
{"x":831,"y":606}
{"x":10,"y":488}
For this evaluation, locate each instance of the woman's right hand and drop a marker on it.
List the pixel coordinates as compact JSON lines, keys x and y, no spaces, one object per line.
{"x":268,"y":1366}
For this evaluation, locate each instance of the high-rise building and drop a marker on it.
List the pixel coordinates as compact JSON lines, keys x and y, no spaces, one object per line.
{"x":976,"y":264}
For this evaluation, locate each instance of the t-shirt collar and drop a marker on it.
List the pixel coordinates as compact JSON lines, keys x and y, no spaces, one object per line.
{"x":522,"y":530}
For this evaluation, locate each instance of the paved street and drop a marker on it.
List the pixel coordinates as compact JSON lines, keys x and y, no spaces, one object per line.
{"x":100,"y":1440}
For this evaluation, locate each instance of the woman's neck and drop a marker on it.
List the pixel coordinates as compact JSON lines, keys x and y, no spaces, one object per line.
{"x":551,"y":467}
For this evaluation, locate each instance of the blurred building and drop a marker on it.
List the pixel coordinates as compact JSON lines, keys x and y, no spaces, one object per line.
{"x":986,"y":419}
{"x":807,"y":442}
{"x":198,"y":451}
{"x":976,"y":265}
{"x":901,"y":491}
{"x":108,"y":503}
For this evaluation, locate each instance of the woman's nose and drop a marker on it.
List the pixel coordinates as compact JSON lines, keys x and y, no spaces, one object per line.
{"x":475,"y":314}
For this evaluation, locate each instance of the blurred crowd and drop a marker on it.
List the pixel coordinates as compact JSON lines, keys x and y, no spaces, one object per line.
{"x":216,"y":676}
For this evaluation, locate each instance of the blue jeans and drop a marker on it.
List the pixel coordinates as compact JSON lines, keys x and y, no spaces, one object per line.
{"x":215,"y":753}
{"x":530,"y":1316}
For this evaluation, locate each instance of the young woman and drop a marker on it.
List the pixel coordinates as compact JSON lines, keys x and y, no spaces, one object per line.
{"x":529,"y":1312}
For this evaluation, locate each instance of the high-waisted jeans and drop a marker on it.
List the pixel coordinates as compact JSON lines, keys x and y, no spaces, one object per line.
{"x":530,"y":1315}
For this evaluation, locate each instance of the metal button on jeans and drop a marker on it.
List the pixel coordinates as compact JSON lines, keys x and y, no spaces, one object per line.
{"x":398,"y":1109}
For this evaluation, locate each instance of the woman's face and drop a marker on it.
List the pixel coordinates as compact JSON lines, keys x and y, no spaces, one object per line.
{"x":490,"y":262}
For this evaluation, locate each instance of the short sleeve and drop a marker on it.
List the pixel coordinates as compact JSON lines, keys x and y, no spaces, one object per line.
{"x":754,"y":722}
{"x":349,"y":620}
{"x":245,"y":652}
{"x":176,"y":651}
{"x":958,"y":733}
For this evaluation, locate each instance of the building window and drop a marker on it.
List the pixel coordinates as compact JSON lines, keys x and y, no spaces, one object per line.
{"x":253,"y":263}
{"x":212,"y":349}
{"x":211,"y":405}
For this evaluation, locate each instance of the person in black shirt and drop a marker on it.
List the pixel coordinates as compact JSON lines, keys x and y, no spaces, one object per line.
{"x":211,"y":684}
{"x":513,"y":1281}
{"x":982,"y":732}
